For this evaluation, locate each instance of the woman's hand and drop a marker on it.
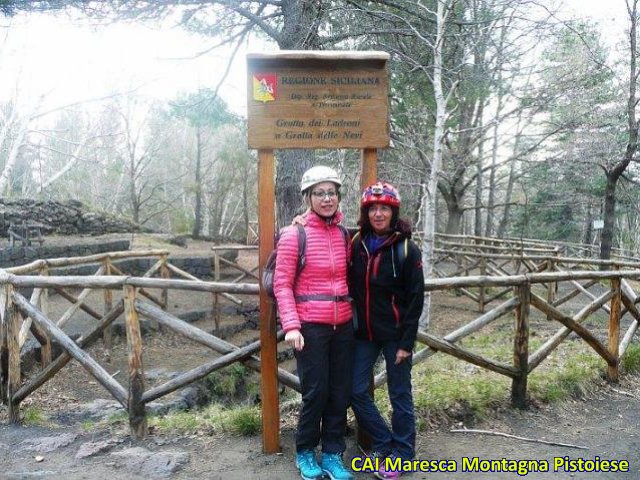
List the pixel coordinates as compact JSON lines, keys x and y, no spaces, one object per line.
{"x":401,"y":356}
{"x":295,"y":339}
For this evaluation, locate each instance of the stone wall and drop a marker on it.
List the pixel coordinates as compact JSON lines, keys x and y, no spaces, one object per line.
{"x":64,"y":218}
{"x":201,"y":267}
{"x":14,"y":256}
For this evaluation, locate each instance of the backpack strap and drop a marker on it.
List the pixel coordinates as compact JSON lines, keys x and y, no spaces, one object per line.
{"x":268,"y":272}
{"x":399,"y":252}
{"x":402,"y":251}
{"x":345,"y":233}
{"x":355,"y":243}
{"x":302,"y":248}
{"x":347,"y":240}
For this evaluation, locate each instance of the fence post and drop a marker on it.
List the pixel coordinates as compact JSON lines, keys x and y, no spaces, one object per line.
{"x":164,"y":273}
{"x":483,"y":272}
{"x":465,"y":265}
{"x":43,"y":337}
{"x":45,"y":344}
{"x":551,"y":286}
{"x":216,"y":305}
{"x":137,"y":411}
{"x":108,"y":304}
{"x":614,"y":328}
{"x":268,"y":336}
{"x":12,"y":319}
{"x":521,"y":347}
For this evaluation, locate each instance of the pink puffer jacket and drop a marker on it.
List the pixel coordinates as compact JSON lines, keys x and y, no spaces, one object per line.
{"x":320,"y":293}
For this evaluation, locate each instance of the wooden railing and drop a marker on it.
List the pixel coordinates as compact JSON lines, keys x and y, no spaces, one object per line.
{"x":470,"y":259}
{"x":523,"y":299}
{"x":218,"y":261}
{"x":565,"y":249}
{"x":21,"y":313}
{"x":524,"y":292}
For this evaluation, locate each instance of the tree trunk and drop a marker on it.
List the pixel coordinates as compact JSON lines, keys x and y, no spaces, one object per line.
{"x":477,"y":225}
{"x":429,"y":199}
{"x":502,"y":227}
{"x":245,"y":205}
{"x":454,"y":219}
{"x":504,"y":221}
{"x":197,"y":222}
{"x":492,"y":172}
{"x":613,"y":175}
{"x":133,"y":194}
{"x":289,"y":169}
{"x":12,"y":158}
{"x":609,"y":217}
{"x":495,"y":145}
{"x":588,"y":231}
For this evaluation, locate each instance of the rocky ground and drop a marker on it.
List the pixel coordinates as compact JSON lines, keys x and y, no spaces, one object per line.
{"x":605,"y":425}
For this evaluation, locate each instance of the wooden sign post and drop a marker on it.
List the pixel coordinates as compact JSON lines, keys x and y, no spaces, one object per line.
{"x":307,"y":99}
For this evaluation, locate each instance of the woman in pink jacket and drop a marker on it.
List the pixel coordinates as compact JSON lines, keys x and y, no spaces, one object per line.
{"x":315,"y":313}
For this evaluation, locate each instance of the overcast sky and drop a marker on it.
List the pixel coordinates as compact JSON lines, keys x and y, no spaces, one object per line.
{"x":66,"y":62}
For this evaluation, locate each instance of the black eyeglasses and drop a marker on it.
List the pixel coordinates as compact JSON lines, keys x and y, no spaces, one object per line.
{"x":321,"y":194}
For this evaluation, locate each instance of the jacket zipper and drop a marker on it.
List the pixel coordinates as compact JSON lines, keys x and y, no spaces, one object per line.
{"x":367,"y":315}
{"x":396,"y":312}
{"x":376,"y":264}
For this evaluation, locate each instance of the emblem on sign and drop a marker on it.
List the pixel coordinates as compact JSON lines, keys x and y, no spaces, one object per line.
{"x":265,"y":87}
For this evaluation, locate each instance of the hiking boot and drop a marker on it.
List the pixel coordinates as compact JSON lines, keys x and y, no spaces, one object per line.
{"x":391,"y":472}
{"x":333,"y":467}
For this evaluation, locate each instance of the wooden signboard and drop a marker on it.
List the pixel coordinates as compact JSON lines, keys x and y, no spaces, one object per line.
{"x":301,"y":99}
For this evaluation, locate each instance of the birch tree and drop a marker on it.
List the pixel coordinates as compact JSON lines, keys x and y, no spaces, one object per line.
{"x":443,"y":10}
{"x":615,"y":170}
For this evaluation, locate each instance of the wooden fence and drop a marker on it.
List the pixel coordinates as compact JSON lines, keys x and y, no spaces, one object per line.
{"x":609,"y":290}
{"x":563,"y":249}
{"x":494,"y":259}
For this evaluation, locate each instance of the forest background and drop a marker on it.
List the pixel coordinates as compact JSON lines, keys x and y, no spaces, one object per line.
{"x":509,"y":118}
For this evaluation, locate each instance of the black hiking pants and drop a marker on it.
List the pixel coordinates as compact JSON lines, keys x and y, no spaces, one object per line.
{"x":324,"y":366}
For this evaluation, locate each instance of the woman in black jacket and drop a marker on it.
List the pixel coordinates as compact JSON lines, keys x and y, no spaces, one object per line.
{"x":387,"y":284}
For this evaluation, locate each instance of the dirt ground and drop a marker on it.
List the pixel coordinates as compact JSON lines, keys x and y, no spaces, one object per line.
{"x":605,"y":422}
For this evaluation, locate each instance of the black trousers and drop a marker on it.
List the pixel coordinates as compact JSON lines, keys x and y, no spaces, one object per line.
{"x":325,"y":368}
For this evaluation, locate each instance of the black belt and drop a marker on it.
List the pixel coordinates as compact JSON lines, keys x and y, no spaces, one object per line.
{"x":323,"y":298}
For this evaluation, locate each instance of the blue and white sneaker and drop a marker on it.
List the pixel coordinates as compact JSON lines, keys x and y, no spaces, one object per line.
{"x":308,"y":465}
{"x":333,"y":467}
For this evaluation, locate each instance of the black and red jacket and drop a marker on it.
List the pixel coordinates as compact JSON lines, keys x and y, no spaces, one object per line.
{"x":388,"y":291}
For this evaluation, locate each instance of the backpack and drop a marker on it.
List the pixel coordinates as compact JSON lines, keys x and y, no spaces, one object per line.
{"x":270,"y":266}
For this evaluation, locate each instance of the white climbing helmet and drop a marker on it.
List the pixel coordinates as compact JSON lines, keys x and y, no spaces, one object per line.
{"x":319,"y":174}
